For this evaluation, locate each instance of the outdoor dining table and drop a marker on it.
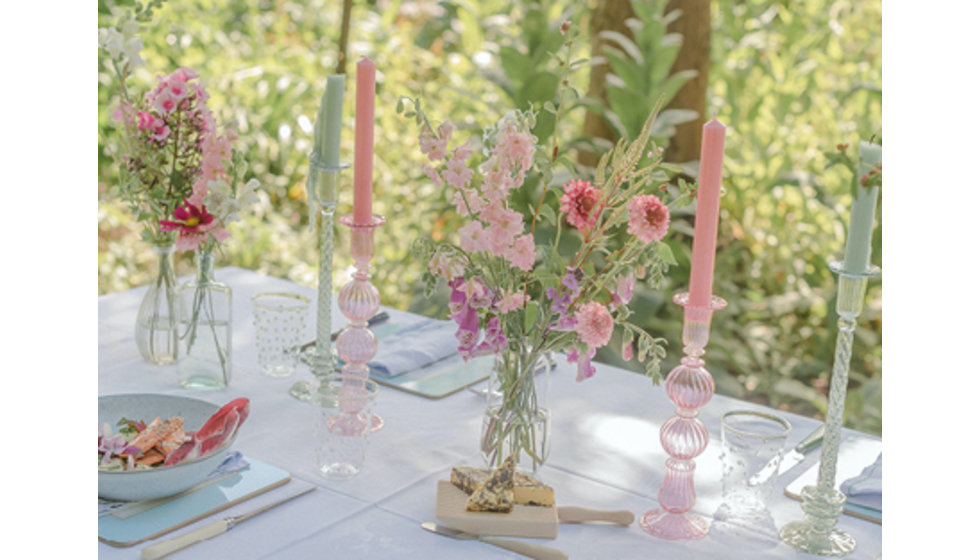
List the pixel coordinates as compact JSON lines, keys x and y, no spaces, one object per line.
{"x":605,"y":453}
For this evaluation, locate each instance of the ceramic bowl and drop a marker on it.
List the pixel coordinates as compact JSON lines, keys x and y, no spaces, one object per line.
{"x":164,"y":480}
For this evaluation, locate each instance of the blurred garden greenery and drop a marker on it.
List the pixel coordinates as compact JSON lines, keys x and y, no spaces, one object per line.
{"x":791,"y":79}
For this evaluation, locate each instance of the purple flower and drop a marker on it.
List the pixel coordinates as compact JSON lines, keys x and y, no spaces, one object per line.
{"x":457,"y":298}
{"x":584,"y":361}
{"x":493,"y":339}
{"x":572,"y":279}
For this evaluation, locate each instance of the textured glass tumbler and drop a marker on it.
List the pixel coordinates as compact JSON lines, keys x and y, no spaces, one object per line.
{"x":343,"y":408}
{"x":752,"y":448}
{"x":279,"y":320}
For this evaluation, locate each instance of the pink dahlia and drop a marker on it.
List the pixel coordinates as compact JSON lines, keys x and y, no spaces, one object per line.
{"x":579,"y":203}
{"x":594,"y":324}
{"x":649,"y":218}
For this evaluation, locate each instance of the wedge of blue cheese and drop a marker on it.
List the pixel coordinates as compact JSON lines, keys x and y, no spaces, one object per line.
{"x":496,"y":493}
{"x":528,"y":490}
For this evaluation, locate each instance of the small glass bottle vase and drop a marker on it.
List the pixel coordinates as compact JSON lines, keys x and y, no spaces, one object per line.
{"x":156,"y":320}
{"x":205,"y":329}
{"x":517,"y":420}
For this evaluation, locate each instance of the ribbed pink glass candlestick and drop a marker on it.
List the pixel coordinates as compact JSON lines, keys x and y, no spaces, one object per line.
{"x":359,"y":300}
{"x":684,"y":436}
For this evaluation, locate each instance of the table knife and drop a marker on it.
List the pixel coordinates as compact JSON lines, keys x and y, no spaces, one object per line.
{"x":531,"y":550}
{"x":378,"y":318}
{"x":169,"y":546}
{"x":809,"y":443}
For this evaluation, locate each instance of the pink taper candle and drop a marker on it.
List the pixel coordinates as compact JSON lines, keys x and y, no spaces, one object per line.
{"x":706,"y":218}
{"x":364,"y":141}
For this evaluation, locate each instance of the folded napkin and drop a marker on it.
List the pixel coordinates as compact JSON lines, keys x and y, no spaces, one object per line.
{"x":414,"y":346}
{"x":865,"y":488}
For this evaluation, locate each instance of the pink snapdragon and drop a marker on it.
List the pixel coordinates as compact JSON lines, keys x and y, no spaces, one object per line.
{"x":472,"y":237}
{"x":579,"y":203}
{"x":446,"y":266}
{"x":583,"y":361}
{"x":510,"y":302}
{"x":521,"y":254}
{"x":594,"y":324}
{"x":623,"y":292}
{"x":649,"y":218}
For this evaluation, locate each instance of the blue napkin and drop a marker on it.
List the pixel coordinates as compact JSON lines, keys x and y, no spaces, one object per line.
{"x":865,"y":488}
{"x":414,"y":346}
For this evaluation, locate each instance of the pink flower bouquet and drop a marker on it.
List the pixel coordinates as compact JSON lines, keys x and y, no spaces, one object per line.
{"x":517,"y":291}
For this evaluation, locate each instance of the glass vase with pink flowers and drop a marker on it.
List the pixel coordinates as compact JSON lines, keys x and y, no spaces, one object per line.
{"x":161,"y":150}
{"x":528,"y":281}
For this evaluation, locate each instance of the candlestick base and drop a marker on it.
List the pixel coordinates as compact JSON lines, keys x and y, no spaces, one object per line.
{"x":684,"y":436}
{"x":823,"y":503}
{"x":674,"y":526}
{"x":816,"y":533}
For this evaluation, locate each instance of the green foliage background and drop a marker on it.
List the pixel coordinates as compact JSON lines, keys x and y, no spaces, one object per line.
{"x":790,"y":78}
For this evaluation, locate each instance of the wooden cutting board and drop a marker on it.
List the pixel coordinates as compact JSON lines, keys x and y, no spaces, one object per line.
{"x":522,"y":521}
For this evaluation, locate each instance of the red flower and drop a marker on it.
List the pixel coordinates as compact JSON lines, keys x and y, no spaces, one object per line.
{"x":579,"y":203}
{"x":189,"y":218}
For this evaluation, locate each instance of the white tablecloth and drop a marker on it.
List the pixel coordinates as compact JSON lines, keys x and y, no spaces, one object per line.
{"x":605,"y":453}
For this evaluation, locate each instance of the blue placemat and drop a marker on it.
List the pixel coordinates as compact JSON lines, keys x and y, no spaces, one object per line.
{"x":251,"y":481}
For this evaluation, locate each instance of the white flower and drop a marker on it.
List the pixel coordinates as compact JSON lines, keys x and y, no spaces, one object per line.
{"x":133,"y":47}
{"x":221,"y":202}
{"x":111,"y":40}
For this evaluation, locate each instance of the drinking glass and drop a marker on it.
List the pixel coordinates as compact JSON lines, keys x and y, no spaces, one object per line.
{"x":752,"y":448}
{"x":344,"y":411}
{"x":280,"y":321}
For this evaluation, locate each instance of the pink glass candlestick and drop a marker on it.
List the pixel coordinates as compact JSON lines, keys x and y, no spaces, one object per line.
{"x":684,"y":436}
{"x":359,"y":300}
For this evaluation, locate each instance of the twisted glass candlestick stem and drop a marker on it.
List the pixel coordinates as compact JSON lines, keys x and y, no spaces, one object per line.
{"x":684,"y":436}
{"x":323,"y":182}
{"x":359,"y":300}
{"x":823,"y":503}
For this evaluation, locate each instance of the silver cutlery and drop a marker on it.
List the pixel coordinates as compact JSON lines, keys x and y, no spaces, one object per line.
{"x":531,"y":550}
{"x":798,"y":453}
{"x":211,"y":530}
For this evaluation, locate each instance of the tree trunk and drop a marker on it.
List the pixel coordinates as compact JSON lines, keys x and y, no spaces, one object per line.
{"x":694,"y":25}
{"x":608,"y":15}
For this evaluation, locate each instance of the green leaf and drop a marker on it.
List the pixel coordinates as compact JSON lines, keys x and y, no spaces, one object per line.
{"x":515,"y":65}
{"x":530,"y":315}
{"x":665,"y":254}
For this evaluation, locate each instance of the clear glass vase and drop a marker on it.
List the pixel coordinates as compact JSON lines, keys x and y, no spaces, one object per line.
{"x":205,"y":329}
{"x":517,"y":420}
{"x":156,"y":320}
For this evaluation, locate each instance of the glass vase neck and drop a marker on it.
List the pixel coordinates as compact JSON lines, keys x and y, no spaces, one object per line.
{"x":205,"y":266}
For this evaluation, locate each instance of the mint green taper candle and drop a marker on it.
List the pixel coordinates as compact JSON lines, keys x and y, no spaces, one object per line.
{"x":333,"y":104}
{"x":326,"y":145}
{"x":857,"y":252}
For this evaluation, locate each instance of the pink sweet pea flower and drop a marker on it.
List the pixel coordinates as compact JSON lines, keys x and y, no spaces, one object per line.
{"x":649,"y":218}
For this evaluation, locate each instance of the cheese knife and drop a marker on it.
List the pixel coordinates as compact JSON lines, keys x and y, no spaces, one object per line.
{"x":798,"y":453}
{"x":531,"y":550}
{"x":169,"y":546}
